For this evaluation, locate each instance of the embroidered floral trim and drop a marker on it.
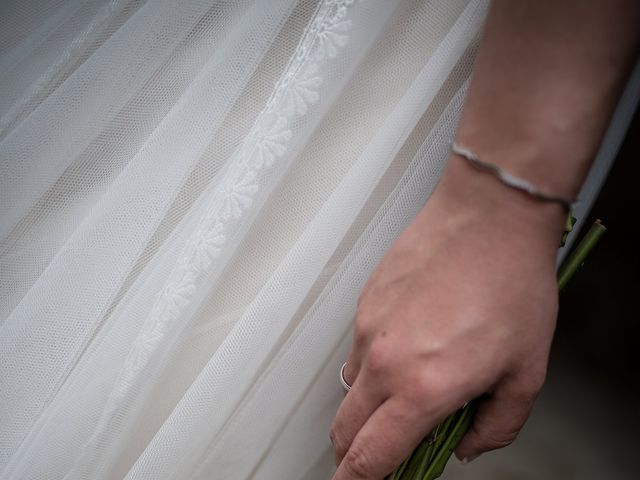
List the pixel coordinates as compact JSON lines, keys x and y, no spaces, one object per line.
{"x":268,"y":140}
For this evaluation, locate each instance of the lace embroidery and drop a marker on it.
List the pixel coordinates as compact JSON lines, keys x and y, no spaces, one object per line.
{"x":268,"y":140}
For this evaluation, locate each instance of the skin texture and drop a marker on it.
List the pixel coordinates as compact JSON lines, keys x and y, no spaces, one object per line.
{"x":464,"y":304}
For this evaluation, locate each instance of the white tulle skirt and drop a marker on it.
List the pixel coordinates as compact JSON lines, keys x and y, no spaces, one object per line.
{"x":192,"y":195}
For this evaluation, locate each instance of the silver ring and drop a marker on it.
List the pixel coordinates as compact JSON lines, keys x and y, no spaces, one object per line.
{"x":343,"y":382}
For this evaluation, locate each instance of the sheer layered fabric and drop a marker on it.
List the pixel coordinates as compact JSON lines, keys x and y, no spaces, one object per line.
{"x":192,"y":195}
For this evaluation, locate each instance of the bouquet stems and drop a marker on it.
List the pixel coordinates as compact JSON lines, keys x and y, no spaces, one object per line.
{"x":428,"y":460}
{"x":578,"y":255}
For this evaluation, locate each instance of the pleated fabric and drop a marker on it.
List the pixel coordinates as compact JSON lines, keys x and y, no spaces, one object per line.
{"x":192,"y":195}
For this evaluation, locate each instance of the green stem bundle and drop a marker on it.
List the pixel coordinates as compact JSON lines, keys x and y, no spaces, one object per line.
{"x":578,"y":255}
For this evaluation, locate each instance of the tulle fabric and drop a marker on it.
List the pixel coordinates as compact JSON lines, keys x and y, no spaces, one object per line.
{"x":192,"y":195}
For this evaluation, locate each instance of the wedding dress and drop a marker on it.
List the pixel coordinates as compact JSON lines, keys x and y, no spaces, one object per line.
{"x":192,"y":195}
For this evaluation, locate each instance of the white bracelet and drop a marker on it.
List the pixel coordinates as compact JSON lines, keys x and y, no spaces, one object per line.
{"x":508,"y":179}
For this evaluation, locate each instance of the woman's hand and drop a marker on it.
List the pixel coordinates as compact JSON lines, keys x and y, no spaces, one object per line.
{"x":462,"y":306}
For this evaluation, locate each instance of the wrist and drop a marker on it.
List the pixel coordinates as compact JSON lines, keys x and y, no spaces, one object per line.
{"x":468,"y":195}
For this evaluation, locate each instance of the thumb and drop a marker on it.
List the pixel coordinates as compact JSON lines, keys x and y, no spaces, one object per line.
{"x":498,"y":420}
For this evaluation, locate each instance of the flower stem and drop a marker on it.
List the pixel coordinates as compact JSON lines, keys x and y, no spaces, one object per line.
{"x":578,"y":255}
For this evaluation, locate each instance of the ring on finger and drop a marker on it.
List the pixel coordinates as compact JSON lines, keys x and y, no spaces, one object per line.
{"x":343,"y":381}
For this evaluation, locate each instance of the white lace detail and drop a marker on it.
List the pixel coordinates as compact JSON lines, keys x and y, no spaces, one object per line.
{"x":132,"y":346}
{"x":268,"y":140}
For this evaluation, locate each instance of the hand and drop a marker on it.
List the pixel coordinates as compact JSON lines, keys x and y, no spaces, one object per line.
{"x":462,"y":306}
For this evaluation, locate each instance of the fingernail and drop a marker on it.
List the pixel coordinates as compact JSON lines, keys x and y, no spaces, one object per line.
{"x":469,"y":459}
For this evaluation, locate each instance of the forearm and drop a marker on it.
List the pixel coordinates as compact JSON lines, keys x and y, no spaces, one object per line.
{"x":464,"y":303}
{"x":545,"y":83}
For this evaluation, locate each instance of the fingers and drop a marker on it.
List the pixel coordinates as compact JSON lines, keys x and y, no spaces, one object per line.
{"x":386,"y":439}
{"x":498,"y":420}
{"x":357,"y":406}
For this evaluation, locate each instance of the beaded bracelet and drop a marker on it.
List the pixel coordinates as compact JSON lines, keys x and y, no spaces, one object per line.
{"x":508,"y":179}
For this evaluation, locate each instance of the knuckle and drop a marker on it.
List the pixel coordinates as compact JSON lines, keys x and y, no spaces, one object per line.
{"x":357,"y":463}
{"x":498,"y":440}
{"x":435,"y":388}
{"x":378,"y":358}
{"x":527,"y":389}
{"x":537,"y":381}
{"x":364,"y":323}
{"x":419,"y":390}
{"x":337,"y":439}
{"x":492,"y":439}
{"x":362,"y":330}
